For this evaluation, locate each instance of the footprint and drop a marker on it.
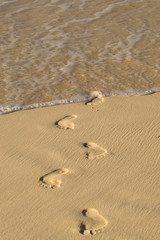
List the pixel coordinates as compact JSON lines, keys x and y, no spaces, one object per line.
{"x":96,"y":101}
{"x":93,"y":223}
{"x":94,"y":151}
{"x":52,"y":179}
{"x":66,"y":122}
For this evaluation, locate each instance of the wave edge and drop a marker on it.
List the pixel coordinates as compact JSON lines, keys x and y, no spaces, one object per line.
{"x":9,"y":108}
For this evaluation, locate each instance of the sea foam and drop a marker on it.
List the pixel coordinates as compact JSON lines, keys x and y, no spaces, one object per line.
{"x":8,"y":108}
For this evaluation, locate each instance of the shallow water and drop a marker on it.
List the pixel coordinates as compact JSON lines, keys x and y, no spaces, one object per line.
{"x":56,"y":49}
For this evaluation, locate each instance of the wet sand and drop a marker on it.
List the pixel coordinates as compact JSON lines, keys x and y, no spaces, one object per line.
{"x":75,"y":170}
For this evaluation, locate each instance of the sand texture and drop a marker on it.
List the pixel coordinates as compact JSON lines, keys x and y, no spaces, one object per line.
{"x":82,"y":171}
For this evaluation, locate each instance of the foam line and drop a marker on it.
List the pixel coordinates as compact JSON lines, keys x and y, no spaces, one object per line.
{"x":8,"y":108}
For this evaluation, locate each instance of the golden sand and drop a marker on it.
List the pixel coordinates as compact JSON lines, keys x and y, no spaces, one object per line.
{"x":97,"y":174}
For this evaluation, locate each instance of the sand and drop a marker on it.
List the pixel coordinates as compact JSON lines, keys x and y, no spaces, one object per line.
{"x":82,"y":171}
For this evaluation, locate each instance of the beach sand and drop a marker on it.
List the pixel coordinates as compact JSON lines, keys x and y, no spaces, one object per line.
{"x":80,"y":171}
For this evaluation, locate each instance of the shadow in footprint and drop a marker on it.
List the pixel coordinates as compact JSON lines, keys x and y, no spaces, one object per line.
{"x":82,"y":228}
{"x":95,"y":101}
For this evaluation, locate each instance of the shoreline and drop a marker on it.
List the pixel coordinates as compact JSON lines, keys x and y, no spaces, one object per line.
{"x":9,"y":108}
{"x":71,"y":165}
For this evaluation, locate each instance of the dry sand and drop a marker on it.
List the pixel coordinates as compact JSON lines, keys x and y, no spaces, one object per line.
{"x":81,"y":171}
